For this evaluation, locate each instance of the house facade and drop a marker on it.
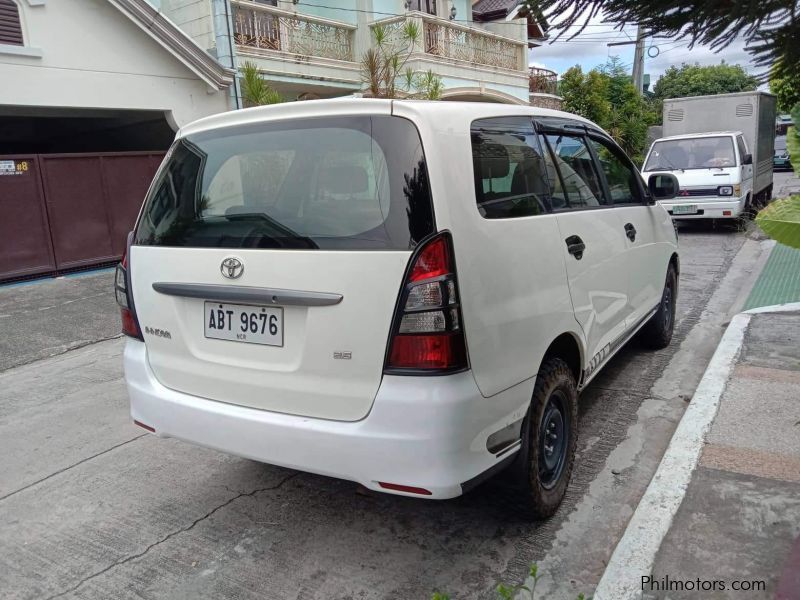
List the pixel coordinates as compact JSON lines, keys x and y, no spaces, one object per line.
{"x":92,"y":93}
{"x":313,"y":49}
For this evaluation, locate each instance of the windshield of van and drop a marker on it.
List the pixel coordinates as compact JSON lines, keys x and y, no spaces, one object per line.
{"x":327,"y":183}
{"x":691,"y":153}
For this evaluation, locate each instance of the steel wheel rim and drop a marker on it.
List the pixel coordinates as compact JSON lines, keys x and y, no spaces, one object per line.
{"x":553,"y":440}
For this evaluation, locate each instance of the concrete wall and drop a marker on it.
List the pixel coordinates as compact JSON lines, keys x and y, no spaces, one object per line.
{"x":86,"y":53}
{"x":193,"y":17}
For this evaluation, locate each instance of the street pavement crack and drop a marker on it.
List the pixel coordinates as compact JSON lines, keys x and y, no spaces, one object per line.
{"x":78,"y":346}
{"x":172,"y":534}
{"x":80,"y":462}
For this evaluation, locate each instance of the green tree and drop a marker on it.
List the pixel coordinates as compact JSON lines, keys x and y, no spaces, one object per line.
{"x":383,"y":67}
{"x":585,"y":94}
{"x":787,"y":89}
{"x":771,"y":28}
{"x":607,"y":96}
{"x":255,"y":89}
{"x":694,"y":80}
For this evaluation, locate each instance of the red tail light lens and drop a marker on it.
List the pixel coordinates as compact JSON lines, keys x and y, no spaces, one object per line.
{"x":130,"y":324}
{"x":432,"y":261}
{"x":427,"y":351}
{"x":427,"y":334}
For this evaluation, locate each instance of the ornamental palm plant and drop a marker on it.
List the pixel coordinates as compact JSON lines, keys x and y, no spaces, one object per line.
{"x":383,"y":67}
{"x":255,"y":90}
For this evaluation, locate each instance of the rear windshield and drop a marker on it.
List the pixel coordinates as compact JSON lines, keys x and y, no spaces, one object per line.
{"x":691,"y":153}
{"x":344,"y":183}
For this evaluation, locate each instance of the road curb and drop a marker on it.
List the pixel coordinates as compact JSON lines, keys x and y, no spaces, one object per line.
{"x":635,"y":553}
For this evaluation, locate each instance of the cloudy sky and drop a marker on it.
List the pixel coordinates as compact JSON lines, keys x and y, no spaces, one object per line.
{"x":589,"y":49}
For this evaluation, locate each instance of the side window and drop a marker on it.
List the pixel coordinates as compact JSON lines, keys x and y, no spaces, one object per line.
{"x":742,"y":147}
{"x":622,"y":179}
{"x":574,"y":162}
{"x":509,"y":170}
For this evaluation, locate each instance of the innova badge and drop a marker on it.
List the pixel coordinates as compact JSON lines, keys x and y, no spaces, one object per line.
{"x":232,"y":268}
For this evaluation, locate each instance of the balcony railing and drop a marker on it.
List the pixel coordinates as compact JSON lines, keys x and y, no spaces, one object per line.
{"x":448,"y":40}
{"x":269,"y":28}
{"x":542,"y":81}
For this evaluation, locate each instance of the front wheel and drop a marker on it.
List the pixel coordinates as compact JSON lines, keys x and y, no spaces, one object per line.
{"x":657,"y":333}
{"x":544,"y":465}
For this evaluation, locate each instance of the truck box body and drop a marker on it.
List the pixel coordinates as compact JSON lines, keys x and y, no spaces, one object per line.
{"x":752,"y":113}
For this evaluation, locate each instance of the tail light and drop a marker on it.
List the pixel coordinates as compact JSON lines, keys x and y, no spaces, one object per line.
{"x":130,"y":324}
{"x":427,"y":333}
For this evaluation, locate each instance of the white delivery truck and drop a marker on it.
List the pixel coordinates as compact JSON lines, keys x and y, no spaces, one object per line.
{"x":720,"y":149}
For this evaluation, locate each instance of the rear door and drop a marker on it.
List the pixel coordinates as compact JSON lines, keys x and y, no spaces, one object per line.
{"x":646,"y":256}
{"x":267,"y":261}
{"x":593,"y":242}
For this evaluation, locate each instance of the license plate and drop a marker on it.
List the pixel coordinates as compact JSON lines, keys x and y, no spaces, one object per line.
{"x":244,"y":323}
{"x":685,"y":209}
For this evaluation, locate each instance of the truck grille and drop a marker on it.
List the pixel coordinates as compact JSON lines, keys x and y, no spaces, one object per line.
{"x":698,"y":192}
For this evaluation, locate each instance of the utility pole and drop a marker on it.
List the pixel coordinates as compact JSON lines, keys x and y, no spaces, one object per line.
{"x":638,"y":61}
{"x":638,"y":58}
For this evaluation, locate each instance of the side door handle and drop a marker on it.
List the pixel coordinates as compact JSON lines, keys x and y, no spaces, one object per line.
{"x":630,"y":231}
{"x":575,"y":246}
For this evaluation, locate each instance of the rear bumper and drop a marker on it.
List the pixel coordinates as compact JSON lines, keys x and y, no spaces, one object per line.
{"x":707,"y":208}
{"x":427,"y":432}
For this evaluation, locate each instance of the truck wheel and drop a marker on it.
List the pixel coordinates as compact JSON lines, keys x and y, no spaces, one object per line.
{"x":657,"y":333}
{"x":543,"y":467}
{"x":749,"y":211}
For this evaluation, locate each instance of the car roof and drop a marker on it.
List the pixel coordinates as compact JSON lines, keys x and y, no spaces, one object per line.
{"x":442,"y":113}
{"x":685,"y":136}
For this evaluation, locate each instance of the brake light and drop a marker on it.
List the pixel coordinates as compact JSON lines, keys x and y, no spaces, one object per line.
{"x":130,"y":324}
{"x":427,"y":335}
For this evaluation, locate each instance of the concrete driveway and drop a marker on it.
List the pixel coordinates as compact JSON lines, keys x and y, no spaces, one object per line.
{"x":93,"y":507}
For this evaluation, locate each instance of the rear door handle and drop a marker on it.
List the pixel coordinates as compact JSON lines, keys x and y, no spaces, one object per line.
{"x":630,"y":231}
{"x":575,"y":246}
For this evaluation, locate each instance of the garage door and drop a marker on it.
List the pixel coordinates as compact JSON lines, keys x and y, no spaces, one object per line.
{"x":25,"y":245}
{"x":64,"y":211}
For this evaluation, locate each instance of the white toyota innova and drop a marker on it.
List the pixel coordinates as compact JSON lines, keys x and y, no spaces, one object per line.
{"x":409,"y":295}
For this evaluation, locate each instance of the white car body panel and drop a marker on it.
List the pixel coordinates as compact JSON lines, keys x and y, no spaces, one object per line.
{"x":598,"y":283}
{"x":301,"y":377}
{"x":655,"y":241}
{"x":295,"y":406}
{"x":422,"y":432}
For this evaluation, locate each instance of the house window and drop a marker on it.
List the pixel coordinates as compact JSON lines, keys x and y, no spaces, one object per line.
{"x":426,"y":6}
{"x":10,"y":26}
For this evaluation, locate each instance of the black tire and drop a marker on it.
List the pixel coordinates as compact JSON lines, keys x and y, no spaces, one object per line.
{"x":657,"y":333}
{"x":540,"y":477}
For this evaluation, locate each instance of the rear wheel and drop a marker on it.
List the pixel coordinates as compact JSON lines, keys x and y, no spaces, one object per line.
{"x":544,"y":464}
{"x":657,"y":333}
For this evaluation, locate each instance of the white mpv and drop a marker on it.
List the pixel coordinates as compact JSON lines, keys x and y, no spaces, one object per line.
{"x":408,"y":295}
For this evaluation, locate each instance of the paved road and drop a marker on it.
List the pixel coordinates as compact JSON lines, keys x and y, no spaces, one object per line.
{"x":92,"y":508}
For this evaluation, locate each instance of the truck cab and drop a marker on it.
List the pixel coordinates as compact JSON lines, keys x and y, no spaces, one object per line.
{"x":714,"y":171}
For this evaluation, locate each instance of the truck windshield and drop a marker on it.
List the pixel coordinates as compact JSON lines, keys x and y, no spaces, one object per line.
{"x":691,"y":153}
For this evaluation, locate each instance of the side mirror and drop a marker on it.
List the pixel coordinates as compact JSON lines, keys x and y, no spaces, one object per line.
{"x":747,"y":159}
{"x":663,"y":186}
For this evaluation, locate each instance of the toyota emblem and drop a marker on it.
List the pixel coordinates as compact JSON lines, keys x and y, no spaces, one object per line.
{"x":232,"y":268}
